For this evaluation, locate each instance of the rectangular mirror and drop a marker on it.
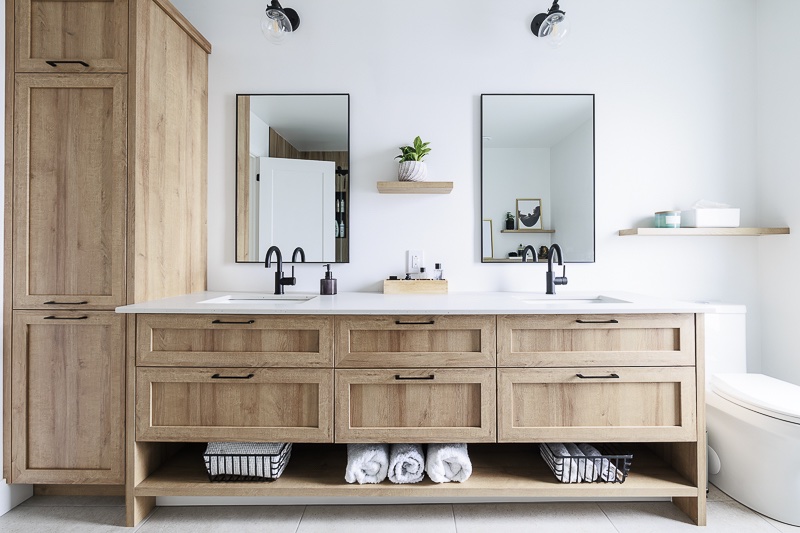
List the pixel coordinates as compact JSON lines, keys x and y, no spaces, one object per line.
{"x":537,"y":174}
{"x":292,"y":176}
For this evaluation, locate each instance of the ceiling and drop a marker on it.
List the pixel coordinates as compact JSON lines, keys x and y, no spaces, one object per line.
{"x":309,"y":122}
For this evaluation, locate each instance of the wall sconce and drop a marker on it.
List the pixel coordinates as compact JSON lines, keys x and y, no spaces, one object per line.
{"x":553,"y":25}
{"x":278,"y":22}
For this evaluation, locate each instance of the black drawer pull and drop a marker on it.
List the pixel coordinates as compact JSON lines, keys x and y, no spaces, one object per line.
{"x":612,"y":321}
{"x":218,"y":376}
{"x":233,"y":322}
{"x":610,"y":376}
{"x":55,"y":64}
{"x":414,"y":378}
{"x":52,"y":302}
{"x":66,"y":317}
{"x":423,"y":323}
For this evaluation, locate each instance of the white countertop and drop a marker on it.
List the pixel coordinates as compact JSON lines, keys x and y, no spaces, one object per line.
{"x":455,"y":303}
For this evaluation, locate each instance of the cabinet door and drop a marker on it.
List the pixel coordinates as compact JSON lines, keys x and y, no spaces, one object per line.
{"x":595,"y":340}
{"x":415,"y":341}
{"x":416,"y":405}
{"x":68,"y":381}
{"x":596,"y":404}
{"x":70,"y":177}
{"x":234,"y":404}
{"x":234,"y":341}
{"x":71,"y":35}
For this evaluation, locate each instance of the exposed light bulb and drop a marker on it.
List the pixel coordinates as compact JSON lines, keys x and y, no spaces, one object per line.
{"x":275,"y":26}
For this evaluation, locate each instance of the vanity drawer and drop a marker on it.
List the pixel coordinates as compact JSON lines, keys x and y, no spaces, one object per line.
{"x":415,"y":341}
{"x":416,"y":405}
{"x":602,"y":404}
{"x":234,"y":404}
{"x":234,"y":341}
{"x":595,"y":340}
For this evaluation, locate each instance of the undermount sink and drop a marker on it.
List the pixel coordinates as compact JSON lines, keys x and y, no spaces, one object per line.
{"x":260,"y":298}
{"x":559,"y":300}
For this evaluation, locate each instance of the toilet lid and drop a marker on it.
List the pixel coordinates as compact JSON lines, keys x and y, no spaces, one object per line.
{"x":760,"y":393}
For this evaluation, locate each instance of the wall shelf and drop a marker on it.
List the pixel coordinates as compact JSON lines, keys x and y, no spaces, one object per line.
{"x":415,"y":187}
{"x":527,"y":231}
{"x":740,"y":232}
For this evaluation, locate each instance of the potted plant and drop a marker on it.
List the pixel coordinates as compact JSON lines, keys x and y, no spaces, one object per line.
{"x":510,"y":220}
{"x":412,"y":168}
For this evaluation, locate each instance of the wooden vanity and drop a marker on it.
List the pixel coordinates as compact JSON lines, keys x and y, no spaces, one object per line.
{"x":501,"y":382}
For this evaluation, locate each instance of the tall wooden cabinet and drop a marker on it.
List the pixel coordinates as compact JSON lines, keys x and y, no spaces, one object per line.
{"x":105,"y":204}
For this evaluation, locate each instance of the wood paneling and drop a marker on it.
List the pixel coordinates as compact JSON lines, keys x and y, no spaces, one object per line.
{"x":595,"y":340}
{"x":94,"y":32}
{"x":415,"y":405}
{"x":170,"y":142}
{"x":243,"y":191}
{"x":556,"y":405}
{"x":415,"y":341}
{"x":235,"y":341}
{"x":68,"y":399}
{"x":69,"y":199}
{"x":234,"y":404}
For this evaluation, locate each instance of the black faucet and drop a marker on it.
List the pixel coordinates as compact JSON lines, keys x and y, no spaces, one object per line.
{"x":552,"y":279}
{"x":280,"y":281}
{"x":533,"y":254}
{"x":302,"y":253}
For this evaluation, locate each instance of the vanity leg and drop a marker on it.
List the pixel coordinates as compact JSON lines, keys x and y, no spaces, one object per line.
{"x":137,"y":508}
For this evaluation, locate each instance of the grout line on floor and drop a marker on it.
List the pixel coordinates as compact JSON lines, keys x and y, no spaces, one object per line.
{"x":146,"y":518}
{"x":607,"y":517}
{"x":303,"y":514}
{"x":453,"y":511}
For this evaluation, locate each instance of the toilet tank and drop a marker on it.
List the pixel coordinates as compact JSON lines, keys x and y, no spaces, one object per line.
{"x":725,"y":340}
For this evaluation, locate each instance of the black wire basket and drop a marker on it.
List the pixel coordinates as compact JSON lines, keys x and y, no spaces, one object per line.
{"x":246,"y":461}
{"x":610,"y":465}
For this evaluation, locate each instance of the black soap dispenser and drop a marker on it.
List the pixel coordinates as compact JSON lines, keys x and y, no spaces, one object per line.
{"x":327,"y":286}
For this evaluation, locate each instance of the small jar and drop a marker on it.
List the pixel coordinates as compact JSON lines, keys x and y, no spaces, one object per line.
{"x":668,"y":219}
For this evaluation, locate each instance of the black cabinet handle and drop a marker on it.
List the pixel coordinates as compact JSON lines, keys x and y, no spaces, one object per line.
{"x":612,"y":321}
{"x":53,"y":302}
{"x":414,"y":378}
{"x":234,"y":322}
{"x":218,"y":376}
{"x":55,"y":64}
{"x":610,"y":376}
{"x":411,"y":323}
{"x":66,"y":317}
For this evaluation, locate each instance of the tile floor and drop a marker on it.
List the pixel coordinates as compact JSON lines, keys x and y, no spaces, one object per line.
{"x":56,"y":514}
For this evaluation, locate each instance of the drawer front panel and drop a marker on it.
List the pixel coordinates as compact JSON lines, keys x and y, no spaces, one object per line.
{"x":234,"y":404}
{"x":415,"y":405}
{"x":571,"y":405}
{"x":234,"y":340}
{"x":596,"y":340}
{"x":415,"y":341}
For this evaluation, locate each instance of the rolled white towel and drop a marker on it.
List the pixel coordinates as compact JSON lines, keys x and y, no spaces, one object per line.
{"x":585,"y":465}
{"x":564,"y":468}
{"x":448,"y":462}
{"x":605,"y":468}
{"x":367,"y":463}
{"x":406,"y":463}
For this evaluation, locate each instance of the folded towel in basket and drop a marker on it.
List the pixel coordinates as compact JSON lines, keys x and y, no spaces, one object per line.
{"x":366,"y":463}
{"x":406,"y":463}
{"x":604,"y":467}
{"x":448,"y":462}
{"x":585,"y":465}
{"x":256,"y":459}
{"x":557,"y":458}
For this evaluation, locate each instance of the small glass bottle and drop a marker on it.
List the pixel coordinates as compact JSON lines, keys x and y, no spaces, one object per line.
{"x":438,"y":273}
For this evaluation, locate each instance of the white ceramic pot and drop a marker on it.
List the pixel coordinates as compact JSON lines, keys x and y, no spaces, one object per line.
{"x":412,"y":171}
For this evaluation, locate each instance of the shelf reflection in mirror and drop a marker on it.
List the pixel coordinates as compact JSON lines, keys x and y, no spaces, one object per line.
{"x":292,"y":176}
{"x":538,"y":149}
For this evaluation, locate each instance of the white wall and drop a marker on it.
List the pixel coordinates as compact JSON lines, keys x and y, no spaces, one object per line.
{"x":779,"y":183}
{"x":675,"y":122}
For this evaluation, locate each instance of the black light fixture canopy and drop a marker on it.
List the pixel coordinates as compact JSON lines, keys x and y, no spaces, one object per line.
{"x":546,"y":24}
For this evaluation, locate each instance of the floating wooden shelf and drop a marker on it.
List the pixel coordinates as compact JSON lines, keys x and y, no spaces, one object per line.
{"x":499,"y":470}
{"x":527,"y":231}
{"x":509,"y":260}
{"x":740,"y":232}
{"x":415,"y":187}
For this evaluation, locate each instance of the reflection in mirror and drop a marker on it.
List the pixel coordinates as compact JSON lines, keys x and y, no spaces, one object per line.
{"x":292,"y":176}
{"x":537,"y":175}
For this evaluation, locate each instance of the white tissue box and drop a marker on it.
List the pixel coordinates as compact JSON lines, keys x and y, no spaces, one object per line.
{"x":710,"y":218}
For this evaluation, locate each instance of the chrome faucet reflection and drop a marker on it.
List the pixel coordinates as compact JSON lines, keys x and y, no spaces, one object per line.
{"x":280,"y":280}
{"x":552,"y":279}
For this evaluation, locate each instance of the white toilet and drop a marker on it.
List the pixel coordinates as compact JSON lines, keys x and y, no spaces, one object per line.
{"x":753,"y":424}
